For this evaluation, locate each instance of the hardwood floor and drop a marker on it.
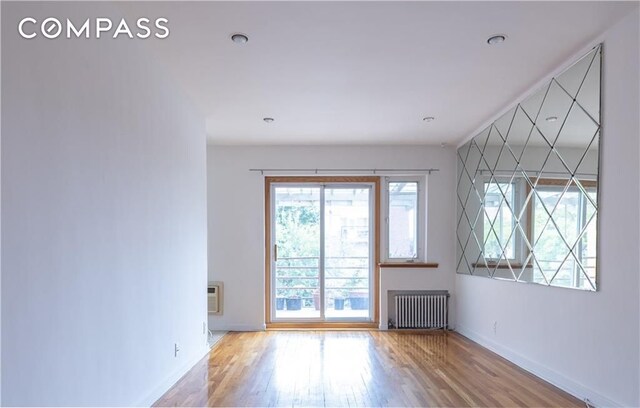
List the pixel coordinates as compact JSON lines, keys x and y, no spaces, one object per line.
{"x":358,"y":368}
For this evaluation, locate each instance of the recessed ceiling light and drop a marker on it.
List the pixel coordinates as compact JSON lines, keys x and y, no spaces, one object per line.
{"x":496,"y":39}
{"x":551,"y":119}
{"x":268,"y":120}
{"x":429,"y":119}
{"x":239,"y":38}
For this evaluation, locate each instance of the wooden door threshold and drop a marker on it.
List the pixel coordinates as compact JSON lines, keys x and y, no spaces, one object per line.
{"x":322,"y":325}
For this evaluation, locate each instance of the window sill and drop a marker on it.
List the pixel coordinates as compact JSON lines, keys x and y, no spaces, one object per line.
{"x":408,"y":264}
{"x":500,"y":265}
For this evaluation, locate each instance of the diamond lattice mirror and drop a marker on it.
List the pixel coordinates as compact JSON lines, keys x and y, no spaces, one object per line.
{"x":528,"y":186}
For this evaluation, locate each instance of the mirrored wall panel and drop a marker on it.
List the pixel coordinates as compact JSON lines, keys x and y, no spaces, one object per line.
{"x":528,"y":186}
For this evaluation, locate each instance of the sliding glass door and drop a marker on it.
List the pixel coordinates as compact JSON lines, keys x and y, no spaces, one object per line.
{"x":322,"y":237}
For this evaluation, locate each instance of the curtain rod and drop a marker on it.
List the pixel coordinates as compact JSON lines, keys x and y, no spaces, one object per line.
{"x":538,"y":172}
{"x":373,"y":171}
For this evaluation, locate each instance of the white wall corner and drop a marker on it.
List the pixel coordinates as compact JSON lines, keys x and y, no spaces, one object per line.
{"x":0,"y":219}
{"x":173,"y":378}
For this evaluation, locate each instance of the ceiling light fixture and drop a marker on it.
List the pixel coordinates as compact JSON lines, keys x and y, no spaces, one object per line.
{"x":496,"y":39}
{"x":429,"y":119}
{"x":268,"y":120}
{"x":551,"y":119}
{"x":239,"y":38}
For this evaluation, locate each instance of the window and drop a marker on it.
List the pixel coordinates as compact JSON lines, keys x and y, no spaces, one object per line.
{"x":559,"y":220}
{"x":405,"y":219}
{"x":499,"y":222}
{"x":572,"y":225}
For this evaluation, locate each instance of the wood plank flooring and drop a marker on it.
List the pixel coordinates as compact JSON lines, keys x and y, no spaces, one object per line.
{"x":358,"y":368}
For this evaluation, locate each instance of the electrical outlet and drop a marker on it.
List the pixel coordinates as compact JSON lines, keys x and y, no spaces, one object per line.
{"x":176,"y":349}
{"x":495,"y":328}
{"x":204,"y":328}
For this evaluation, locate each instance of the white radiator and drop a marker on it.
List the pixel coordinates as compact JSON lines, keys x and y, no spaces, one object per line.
{"x":424,"y":311}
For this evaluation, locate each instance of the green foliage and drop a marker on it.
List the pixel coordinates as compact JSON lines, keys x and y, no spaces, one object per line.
{"x":297,"y":236}
{"x":298,"y":231}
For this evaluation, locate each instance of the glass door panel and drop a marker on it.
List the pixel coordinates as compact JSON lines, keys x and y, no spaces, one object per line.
{"x":321,"y":264}
{"x":347,"y":252}
{"x":297,"y":226}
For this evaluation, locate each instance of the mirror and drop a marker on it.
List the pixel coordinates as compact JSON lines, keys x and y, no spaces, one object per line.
{"x":528,"y":186}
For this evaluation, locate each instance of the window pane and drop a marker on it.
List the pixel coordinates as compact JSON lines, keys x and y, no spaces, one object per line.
{"x":550,"y":248}
{"x":588,"y":242}
{"x":498,"y":221}
{"x":572,"y":213}
{"x":403,"y":220}
{"x":297,"y":267}
{"x":347,"y":252}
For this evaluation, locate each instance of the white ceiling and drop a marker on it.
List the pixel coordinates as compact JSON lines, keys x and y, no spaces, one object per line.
{"x":366,"y":72}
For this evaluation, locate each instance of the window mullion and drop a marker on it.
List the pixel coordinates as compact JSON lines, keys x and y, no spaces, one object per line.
{"x":321,"y":261}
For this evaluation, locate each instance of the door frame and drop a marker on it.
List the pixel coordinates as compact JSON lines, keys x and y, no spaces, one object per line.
{"x":268,"y":250}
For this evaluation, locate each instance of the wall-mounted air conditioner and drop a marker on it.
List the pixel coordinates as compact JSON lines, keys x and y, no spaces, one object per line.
{"x":214,"y":298}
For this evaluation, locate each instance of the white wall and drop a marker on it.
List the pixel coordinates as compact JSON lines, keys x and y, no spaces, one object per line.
{"x":104,"y":220}
{"x":236,"y":218}
{"x":588,"y":343}
{"x":0,"y":216}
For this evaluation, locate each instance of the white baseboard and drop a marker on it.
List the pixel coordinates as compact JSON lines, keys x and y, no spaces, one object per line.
{"x":172,"y":379}
{"x":566,"y":384}
{"x":239,"y":327}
